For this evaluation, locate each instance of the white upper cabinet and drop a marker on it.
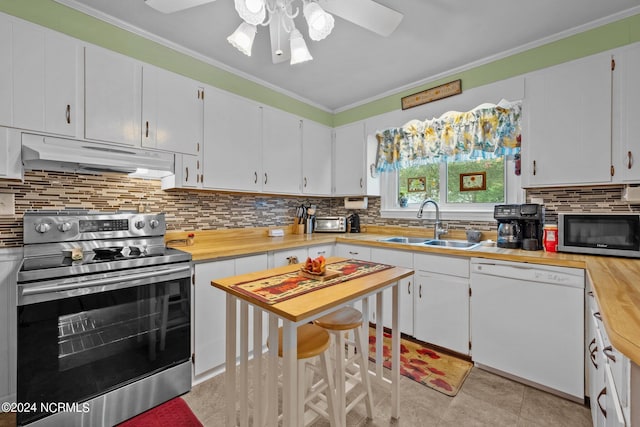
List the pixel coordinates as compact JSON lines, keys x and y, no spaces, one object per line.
{"x":349,"y":160}
{"x":567,"y":123}
{"x":113,"y":97}
{"x":281,"y":152}
{"x":232,"y":142}
{"x":39,"y":79}
{"x":172,"y":109}
{"x":6,"y":75}
{"x":626,"y":113}
{"x":316,"y":159}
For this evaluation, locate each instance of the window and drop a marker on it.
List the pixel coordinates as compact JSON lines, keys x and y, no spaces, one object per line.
{"x":441,"y":182}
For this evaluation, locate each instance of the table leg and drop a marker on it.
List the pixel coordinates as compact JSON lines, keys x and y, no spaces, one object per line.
{"x":244,"y":362}
{"x":290,"y":405}
{"x":395,"y":352}
{"x":272,"y":373}
{"x":230,"y":361}
{"x":258,"y":395}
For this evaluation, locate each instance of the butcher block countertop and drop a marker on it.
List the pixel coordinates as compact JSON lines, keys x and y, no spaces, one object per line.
{"x":616,"y":281}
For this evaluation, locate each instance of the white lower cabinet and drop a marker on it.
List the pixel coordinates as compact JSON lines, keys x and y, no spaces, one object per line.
{"x":209,"y":316}
{"x":406,"y":288}
{"x":441,"y":315}
{"x":9,"y":263}
{"x":614,"y":381}
{"x":346,"y":250}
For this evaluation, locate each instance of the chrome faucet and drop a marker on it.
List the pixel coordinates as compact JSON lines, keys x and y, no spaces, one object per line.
{"x":437,"y":230}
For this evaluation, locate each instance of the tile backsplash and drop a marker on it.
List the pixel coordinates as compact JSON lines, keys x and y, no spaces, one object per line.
{"x":192,"y":210}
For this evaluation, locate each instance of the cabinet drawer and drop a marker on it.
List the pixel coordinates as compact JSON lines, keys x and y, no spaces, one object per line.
{"x":452,"y":266}
{"x":392,"y":257}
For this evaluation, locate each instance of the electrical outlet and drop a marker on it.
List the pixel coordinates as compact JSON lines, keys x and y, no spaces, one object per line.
{"x":7,"y":204}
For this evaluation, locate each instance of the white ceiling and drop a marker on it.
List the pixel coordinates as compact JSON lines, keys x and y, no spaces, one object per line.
{"x":353,"y":65}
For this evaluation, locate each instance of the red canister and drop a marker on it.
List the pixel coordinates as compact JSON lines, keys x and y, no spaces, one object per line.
{"x":550,"y":238}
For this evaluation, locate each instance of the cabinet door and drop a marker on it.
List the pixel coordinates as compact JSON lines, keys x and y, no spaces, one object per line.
{"x":28,"y":76}
{"x":281,"y":152}
{"x":210,"y":312}
{"x":6,"y":75}
{"x":406,"y":288}
{"x":9,"y":264}
{"x":172,"y":111}
{"x":349,"y":160}
{"x":113,"y":97}
{"x":316,"y":159}
{"x":61,"y":79}
{"x":567,"y":137}
{"x":441,"y":314}
{"x":627,"y":107}
{"x":232,"y":142}
{"x":10,"y":154}
{"x":190,"y":171}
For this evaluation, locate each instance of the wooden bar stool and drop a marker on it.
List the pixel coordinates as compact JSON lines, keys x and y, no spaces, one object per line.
{"x":315,"y":341}
{"x":339,"y":323}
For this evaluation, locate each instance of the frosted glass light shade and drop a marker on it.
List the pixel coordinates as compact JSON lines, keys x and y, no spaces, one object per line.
{"x":299,"y":51}
{"x":242,"y":38}
{"x":252,"y":11}
{"x":320,"y":22}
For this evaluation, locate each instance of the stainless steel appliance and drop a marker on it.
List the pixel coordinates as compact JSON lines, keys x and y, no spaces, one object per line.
{"x":103,"y":317}
{"x":520,"y":226}
{"x":331,"y":224}
{"x":615,"y":234}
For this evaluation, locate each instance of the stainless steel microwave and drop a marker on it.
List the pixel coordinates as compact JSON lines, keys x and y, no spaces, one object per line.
{"x":616,"y":234}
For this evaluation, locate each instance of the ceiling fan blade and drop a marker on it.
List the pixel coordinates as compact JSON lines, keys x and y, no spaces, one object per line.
{"x":280,"y":50}
{"x":366,"y":13}
{"x":170,"y":6}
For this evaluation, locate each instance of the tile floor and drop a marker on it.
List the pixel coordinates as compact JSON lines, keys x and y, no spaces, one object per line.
{"x":485,"y":399}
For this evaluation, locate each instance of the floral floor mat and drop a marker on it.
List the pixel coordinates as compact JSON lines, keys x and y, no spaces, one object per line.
{"x":435,"y":369}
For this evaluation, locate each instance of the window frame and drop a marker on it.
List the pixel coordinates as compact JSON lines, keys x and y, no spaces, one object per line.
{"x":390,"y":208}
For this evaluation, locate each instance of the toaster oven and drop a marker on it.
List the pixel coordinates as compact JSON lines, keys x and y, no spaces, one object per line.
{"x":331,"y":224}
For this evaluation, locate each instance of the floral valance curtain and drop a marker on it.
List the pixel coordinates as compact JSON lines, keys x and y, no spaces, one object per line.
{"x":487,"y":131}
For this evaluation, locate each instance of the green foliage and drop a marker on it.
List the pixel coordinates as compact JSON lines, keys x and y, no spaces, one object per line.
{"x":432,"y":173}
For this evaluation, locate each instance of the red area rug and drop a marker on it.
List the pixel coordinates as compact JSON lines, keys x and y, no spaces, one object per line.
{"x":174,"y":413}
{"x":435,"y":369}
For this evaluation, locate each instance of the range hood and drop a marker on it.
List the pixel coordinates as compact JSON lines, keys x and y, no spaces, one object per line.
{"x":67,"y":155}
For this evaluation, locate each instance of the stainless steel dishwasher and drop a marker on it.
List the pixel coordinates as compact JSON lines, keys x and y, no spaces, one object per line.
{"x":527,"y":322}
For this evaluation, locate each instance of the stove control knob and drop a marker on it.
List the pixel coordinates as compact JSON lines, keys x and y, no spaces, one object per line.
{"x":65,"y":226}
{"x":154,"y":223}
{"x":139,"y":224}
{"x":42,"y":227}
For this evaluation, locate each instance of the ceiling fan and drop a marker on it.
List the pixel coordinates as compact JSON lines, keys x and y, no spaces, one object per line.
{"x":367,"y":14}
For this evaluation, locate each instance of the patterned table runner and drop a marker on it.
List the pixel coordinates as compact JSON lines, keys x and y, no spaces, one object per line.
{"x":282,"y":287}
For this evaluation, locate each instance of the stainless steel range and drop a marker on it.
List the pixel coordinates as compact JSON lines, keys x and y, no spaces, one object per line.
{"x":103,"y":318}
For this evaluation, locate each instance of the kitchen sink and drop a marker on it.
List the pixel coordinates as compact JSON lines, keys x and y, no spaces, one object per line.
{"x":457,"y":244}
{"x":408,"y":240}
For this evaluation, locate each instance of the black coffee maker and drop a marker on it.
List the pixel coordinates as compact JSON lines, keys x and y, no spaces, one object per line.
{"x":520,"y":226}
{"x":353,"y":223}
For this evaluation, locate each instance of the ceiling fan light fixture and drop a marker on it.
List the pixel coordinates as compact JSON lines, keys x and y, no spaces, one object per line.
{"x":299,"y":51}
{"x":252,"y":11}
{"x":320,"y":22}
{"x":242,"y":38}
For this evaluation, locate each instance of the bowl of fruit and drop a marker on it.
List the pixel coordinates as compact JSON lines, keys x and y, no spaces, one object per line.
{"x":316,"y":266}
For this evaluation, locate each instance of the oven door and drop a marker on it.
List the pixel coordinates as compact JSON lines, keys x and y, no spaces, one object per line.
{"x":78,"y":341}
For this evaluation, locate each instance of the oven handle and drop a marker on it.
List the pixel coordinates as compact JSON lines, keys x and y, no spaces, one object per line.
{"x":104,"y":281}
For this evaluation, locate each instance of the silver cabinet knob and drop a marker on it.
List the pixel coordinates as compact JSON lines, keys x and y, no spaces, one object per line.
{"x":139,"y":224}
{"x":65,"y":226}
{"x":154,"y":223}
{"x":42,"y":227}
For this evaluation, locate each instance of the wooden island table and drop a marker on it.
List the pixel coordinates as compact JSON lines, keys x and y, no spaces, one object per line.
{"x":290,"y":300}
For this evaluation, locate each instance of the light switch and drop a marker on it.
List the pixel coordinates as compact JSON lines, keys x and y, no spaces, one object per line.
{"x":7,"y":204}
